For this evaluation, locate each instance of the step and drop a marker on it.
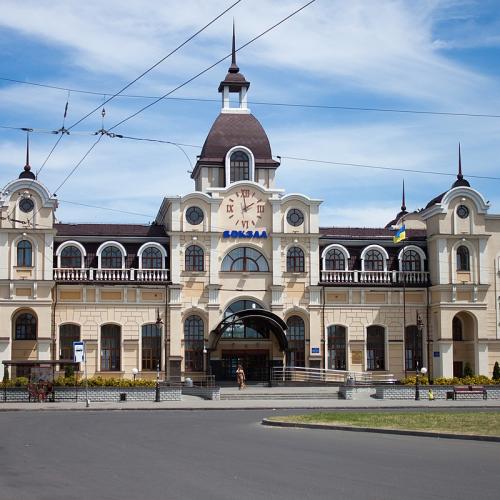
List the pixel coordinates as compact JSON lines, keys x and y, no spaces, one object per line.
{"x":290,"y":396}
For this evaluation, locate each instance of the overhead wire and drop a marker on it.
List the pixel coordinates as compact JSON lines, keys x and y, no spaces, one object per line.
{"x":156,"y":101}
{"x":271,"y":103}
{"x":157,"y":63}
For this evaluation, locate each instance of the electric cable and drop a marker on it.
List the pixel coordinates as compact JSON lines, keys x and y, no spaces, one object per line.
{"x":157,"y":63}
{"x":156,"y":101}
{"x":270,"y":103}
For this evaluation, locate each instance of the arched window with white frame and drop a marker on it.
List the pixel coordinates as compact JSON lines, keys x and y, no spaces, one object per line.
{"x":239,"y":165}
{"x":151,"y":256}
{"x":111,"y":255}
{"x":374,"y":258}
{"x":411,"y":259}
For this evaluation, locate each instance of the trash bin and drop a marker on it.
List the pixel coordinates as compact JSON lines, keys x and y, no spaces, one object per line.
{"x":188,"y":382}
{"x":449,"y":394}
{"x":123,"y":397}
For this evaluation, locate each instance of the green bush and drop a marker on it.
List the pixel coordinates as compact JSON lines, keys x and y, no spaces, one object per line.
{"x":21,"y":381}
{"x":69,"y":371}
{"x":496,"y":371}
{"x":473,"y":380}
{"x":468,"y":371}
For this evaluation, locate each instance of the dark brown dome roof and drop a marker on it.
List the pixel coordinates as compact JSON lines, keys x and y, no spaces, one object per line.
{"x":230,"y":130}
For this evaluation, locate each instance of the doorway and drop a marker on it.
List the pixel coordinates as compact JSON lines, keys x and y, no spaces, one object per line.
{"x":255,"y":363}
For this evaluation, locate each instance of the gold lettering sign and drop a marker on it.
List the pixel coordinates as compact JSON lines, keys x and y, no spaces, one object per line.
{"x":357,"y":357}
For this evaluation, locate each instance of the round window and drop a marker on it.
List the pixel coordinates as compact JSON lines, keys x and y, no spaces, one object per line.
{"x":463,"y":211}
{"x":26,"y":205}
{"x":194,"y":215}
{"x":295,"y":217}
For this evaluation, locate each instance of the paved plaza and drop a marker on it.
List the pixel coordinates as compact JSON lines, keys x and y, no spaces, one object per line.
{"x":228,"y":455}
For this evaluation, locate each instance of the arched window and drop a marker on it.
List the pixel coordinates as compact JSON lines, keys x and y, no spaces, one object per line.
{"x":296,"y":355}
{"x":295,"y":260}
{"x":194,"y":258}
{"x":151,"y":346}
{"x":110,"y":348}
{"x":239,"y":167}
{"x":413,"y":347}
{"x":193,"y":344}
{"x":336,"y":347}
{"x":244,"y":259}
{"x":239,"y":330}
{"x":375,"y":348}
{"x":411,"y":261}
{"x":24,"y":254}
{"x":111,"y":258}
{"x":152,"y":258}
{"x":67,"y":335}
{"x":334,"y":260}
{"x":71,"y":257}
{"x":25,"y":326}
{"x":374,"y":260}
{"x":457,"y":330}
{"x":463,"y":258}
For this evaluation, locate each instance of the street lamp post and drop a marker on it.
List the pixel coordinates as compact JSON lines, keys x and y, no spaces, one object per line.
{"x":422,"y":371}
{"x":157,"y":387}
{"x":135,"y":371}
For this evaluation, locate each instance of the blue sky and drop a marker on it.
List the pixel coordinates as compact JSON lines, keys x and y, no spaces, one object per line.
{"x":427,"y":55}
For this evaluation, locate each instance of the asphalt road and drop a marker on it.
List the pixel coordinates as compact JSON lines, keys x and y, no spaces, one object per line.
{"x":228,"y":455}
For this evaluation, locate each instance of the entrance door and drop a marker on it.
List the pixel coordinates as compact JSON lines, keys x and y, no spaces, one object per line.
{"x":255,"y":364}
{"x":458,"y":369}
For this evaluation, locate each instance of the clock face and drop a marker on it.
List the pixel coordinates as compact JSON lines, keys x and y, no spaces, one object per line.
{"x":26,"y":205}
{"x":463,"y":212}
{"x":245,"y":208}
{"x":194,"y":215}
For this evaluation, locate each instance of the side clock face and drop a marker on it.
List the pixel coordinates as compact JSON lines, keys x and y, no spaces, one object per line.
{"x":245,"y":208}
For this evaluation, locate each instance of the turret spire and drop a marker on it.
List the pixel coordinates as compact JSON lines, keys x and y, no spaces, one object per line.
{"x":403,"y":202}
{"x":460,"y":177}
{"x":27,"y":173}
{"x":234,"y":67}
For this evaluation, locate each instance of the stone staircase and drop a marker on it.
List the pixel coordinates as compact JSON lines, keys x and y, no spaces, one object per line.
{"x":252,"y":393}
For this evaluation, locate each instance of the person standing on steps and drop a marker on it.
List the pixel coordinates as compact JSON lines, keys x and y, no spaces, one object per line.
{"x":240,"y":377}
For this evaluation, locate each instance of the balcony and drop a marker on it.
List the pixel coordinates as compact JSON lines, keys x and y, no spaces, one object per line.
{"x":111,"y":275}
{"x":396,"y":278}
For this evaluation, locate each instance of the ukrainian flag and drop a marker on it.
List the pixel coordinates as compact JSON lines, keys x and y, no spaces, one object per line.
{"x":400,"y":234}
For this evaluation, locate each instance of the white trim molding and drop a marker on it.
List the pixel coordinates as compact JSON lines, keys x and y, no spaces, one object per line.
{"x":111,"y":244}
{"x":71,"y":243}
{"x":335,"y":246}
{"x":152,"y":244}
{"x":420,"y":252}
{"x":382,"y":250}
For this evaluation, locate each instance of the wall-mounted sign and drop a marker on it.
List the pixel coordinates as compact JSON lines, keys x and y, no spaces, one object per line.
{"x":244,"y":234}
{"x":437,"y":354}
{"x":357,"y":357}
{"x":314,"y":350}
{"x":78,"y":352}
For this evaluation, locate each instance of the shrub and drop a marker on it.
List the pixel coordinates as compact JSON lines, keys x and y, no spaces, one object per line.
{"x":21,"y":381}
{"x":69,"y":371}
{"x":496,"y":371}
{"x":468,"y":371}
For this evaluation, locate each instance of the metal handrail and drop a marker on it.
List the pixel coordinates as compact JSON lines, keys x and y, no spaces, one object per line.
{"x":325,"y":375}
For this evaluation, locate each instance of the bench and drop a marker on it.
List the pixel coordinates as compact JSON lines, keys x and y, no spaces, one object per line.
{"x":469,"y":389}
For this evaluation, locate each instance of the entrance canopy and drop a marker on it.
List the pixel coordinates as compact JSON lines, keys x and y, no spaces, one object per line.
{"x":258,"y":319}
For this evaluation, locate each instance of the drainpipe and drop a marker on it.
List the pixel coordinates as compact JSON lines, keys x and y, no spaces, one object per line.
{"x":166,"y":335}
{"x":53,"y":349}
{"x":323,"y":334}
{"x":496,"y":296}
{"x":430,"y":360}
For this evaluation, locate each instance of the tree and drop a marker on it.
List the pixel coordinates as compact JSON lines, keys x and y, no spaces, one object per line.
{"x":496,"y":371}
{"x":468,"y":370}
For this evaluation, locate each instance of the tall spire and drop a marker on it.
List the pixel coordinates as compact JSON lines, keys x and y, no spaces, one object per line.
{"x":460,"y":177}
{"x":234,"y":67}
{"x":403,"y":203}
{"x":27,"y":173}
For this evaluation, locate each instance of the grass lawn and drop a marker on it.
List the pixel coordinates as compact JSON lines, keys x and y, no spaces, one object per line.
{"x":485,"y":423}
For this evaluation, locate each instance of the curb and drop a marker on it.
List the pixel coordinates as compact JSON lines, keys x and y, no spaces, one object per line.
{"x":376,"y":430}
{"x":53,"y":407}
